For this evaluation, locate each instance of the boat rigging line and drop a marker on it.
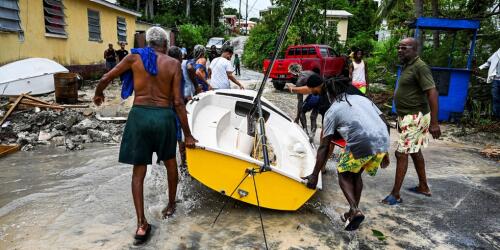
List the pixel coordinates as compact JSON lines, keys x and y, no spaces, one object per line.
{"x":252,"y":172}
{"x":252,"y":119}
{"x":257,"y":107}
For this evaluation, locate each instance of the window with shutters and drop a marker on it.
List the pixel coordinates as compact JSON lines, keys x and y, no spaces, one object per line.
{"x":94,"y":25}
{"x":9,"y":16}
{"x":121,"y":29}
{"x":53,"y":11}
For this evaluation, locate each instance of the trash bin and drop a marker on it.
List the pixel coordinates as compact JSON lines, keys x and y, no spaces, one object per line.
{"x":66,"y":87}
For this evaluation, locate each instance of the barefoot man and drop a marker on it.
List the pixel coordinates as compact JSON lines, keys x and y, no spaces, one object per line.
{"x":151,"y":121}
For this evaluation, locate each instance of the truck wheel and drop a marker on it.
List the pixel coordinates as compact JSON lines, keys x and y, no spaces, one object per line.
{"x":279,"y":85}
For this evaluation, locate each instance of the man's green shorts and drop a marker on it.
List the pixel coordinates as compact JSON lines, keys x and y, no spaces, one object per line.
{"x":148,"y":129}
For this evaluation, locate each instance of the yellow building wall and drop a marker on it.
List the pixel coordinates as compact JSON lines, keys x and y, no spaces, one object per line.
{"x":342,"y":29}
{"x":76,"y":49}
{"x":342,"y":25}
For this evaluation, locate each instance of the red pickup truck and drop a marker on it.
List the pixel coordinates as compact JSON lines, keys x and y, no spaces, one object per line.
{"x":310,"y":56}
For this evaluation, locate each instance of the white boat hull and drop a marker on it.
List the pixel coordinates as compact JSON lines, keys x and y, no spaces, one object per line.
{"x":34,"y":76}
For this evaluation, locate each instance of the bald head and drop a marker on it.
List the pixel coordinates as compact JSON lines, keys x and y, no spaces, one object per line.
{"x":407,"y":49}
{"x":411,"y":41}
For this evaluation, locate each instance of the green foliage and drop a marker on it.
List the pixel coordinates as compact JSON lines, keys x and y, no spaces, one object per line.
{"x":309,"y":27}
{"x":172,"y":13}
{"x":191,"y":35}
{"x":383,"y":62}
{"x":231,"y":11}
{"x":364,"y":41}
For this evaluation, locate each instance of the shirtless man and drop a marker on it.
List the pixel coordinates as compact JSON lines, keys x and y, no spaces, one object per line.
{"x":151,"y":122}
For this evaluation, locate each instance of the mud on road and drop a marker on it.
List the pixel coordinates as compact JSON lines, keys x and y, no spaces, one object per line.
{"x":57,"y":199}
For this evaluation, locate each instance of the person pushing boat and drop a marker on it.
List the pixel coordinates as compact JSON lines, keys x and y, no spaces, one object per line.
{"x":356,"y":119}
{"x":151,"y":122}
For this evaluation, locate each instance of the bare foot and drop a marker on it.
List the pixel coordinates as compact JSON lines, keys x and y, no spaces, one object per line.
{"x":168,"y":211}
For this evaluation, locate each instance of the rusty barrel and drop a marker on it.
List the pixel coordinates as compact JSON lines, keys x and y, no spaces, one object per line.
{"x":66,"y":86}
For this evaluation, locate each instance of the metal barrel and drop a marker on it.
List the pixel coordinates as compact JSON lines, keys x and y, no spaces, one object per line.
{"x":66,"y":87}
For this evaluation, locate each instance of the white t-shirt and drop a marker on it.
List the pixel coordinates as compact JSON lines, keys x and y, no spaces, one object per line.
{"x":220,"y":66}
{"x":358,"y":72}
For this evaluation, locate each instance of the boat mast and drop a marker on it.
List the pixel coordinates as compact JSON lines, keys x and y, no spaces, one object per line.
{"x":257,"y":107}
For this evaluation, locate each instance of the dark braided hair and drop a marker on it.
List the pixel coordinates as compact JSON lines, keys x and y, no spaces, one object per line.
{"x":338,"y":89}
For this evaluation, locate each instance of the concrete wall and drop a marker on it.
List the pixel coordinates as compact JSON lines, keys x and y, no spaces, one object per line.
{"x":76,"y":49}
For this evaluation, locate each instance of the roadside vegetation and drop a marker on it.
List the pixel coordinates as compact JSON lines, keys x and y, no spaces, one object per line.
{"x":381,"y":56}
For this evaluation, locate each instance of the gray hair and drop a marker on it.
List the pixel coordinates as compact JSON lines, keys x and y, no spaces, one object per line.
{"x":156,"y":36}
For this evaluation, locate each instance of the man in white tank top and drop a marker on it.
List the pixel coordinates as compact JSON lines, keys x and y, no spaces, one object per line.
{"x":358,"y":72}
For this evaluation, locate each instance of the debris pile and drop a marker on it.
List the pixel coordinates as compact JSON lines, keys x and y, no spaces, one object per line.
{"x":68,"y":128}
{"x":31,"y":122}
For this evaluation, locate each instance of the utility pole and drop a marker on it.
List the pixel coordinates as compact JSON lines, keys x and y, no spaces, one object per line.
{"x":213,"y":16}
{"x":246,"y":19}
{"x":239,"y":17}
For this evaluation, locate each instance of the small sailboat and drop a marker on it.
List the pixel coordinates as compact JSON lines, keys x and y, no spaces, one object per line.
{"x":226,"y":152}
{"x":248,"y":149}
{"x":34,"y":76}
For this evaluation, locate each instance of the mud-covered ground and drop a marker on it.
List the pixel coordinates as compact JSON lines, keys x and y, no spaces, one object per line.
{"x":57,"y":199}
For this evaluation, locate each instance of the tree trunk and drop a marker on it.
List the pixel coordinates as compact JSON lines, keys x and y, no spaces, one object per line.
{"x":419,"y":9}
{"x":138,"y":5}
{"x":435,"y":13}
{"x":151,"y":8}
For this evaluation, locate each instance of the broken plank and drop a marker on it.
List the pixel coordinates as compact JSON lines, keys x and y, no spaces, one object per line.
{"x":36,"y":99}
{"x":41,"y":105}
{"x":12,"y":108}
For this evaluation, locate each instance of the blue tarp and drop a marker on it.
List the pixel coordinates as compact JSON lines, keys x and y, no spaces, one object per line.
{"x":445,"y":23}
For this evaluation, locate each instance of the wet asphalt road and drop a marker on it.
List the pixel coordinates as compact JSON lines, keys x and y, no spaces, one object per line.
{"x":53,"y":199}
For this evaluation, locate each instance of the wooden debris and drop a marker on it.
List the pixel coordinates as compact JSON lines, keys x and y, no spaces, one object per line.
{"x":8,"y":149}
{"x":11,"y":109}
{"x":491,"y":152}
{"x":41,"y":105}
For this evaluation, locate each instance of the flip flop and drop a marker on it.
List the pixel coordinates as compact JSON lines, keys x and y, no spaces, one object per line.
{"x":415,"y":190}
{"x":141,"y":239}
{"x":391,"y":200}
{"x":353,"y":223}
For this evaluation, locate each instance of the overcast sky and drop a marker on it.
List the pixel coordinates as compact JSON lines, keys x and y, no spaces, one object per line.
{"x":252,"y":12}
